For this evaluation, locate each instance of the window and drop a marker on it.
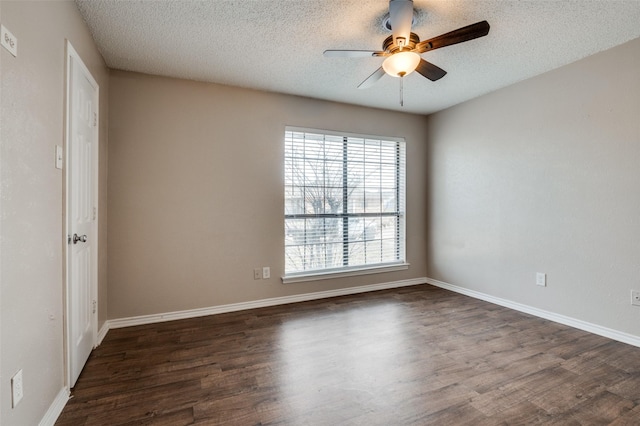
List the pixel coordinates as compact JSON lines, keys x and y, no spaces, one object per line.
{"x":344,"y":203}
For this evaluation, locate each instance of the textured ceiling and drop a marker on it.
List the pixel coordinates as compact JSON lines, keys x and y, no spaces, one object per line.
{"x":277,"y":45}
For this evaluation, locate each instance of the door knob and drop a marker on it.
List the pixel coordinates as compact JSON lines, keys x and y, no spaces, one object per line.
{"x":81,"y":238}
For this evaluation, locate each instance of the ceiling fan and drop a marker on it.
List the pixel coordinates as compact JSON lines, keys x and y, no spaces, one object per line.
{"x":402,"y":49}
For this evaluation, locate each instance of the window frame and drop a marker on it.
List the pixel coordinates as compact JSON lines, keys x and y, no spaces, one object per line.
{"x":400,"y":213}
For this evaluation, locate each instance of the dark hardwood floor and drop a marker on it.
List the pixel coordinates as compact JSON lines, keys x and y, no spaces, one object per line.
{"x":416,"y":355}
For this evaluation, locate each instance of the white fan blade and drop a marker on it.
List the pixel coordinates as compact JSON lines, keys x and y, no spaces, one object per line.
{"x":372,"y":79}
{"x":400,"y":18}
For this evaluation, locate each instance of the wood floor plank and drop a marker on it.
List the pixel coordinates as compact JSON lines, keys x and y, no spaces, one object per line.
{"x":415,"y":355}
{"x":604,"y":408}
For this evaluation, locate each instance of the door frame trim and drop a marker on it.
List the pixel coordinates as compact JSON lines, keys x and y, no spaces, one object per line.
{"x":72,"y":55}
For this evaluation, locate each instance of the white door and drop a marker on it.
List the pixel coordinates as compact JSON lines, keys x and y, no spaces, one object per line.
{"x":81,"y":213}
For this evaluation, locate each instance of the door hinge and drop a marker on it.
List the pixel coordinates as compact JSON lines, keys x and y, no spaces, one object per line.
{"x":95,"y":213}
{"x":95,"y":305}
{"x":95,"y":119}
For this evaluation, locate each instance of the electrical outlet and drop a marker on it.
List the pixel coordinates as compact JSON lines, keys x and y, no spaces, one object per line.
{"x":266,"y":273}
{"x":541,"y":279}
{"x":635,"y":297}
{"x":257,"y":273}
{"x":17,"y":390}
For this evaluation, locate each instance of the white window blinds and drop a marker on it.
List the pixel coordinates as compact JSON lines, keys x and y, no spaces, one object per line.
{"x":344,"y":201}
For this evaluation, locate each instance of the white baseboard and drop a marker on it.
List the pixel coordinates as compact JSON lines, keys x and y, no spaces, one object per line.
{"x":562,"y":319}
{"x":102,"y":333}
{"x":263,"y":303}
{"x":55,"y":408}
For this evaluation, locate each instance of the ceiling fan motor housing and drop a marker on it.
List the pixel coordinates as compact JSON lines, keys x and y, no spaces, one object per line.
{"x":389,"y":47}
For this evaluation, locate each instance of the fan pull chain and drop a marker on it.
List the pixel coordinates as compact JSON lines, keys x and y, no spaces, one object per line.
{"x":401,"y":88}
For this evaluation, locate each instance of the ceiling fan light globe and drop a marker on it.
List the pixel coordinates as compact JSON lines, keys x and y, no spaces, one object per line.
{"x":401,"y":64}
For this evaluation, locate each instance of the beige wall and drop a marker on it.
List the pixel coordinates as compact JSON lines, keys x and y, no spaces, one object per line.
{"x":544,"y":176}
{"x":196,"y":193}
{"x":32,"y":91}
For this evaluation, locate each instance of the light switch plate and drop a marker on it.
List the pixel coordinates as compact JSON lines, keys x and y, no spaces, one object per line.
{"x":8,"y":41}
{"x":59,"y":157}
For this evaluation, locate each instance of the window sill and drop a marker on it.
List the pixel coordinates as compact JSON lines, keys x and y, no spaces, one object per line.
{"x":344,"y":273}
